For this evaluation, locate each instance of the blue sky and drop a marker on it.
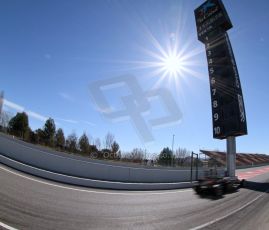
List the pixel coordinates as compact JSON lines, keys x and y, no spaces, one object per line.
{"x":51,"y":51}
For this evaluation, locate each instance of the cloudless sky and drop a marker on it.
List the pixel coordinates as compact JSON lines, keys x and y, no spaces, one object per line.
{"x":51,"y":51}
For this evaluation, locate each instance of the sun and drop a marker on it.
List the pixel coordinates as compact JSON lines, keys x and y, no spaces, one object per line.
{"x":172,"y":62}
{"x":172,"y":65}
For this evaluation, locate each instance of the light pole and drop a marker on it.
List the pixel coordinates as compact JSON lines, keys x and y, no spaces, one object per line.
{"x":1,"y":107}
{"x":1,"y":101}
{"x":172,"y":149}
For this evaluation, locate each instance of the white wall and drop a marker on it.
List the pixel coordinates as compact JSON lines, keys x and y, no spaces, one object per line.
{"x":78,"y":167}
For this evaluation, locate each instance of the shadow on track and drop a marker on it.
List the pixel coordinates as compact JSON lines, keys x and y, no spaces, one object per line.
{"x":257,"y":186}
{"x":211,"y":196}
{"x":251,"y":185}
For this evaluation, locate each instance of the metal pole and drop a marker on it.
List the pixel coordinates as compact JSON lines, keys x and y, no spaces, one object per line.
{"x":1,"y":108}
{"x":191,"y":164}
{"x":230,"y":159}
{"x":196,"y":166}
{"x":172,"y":149}
{"x":1,"y":101}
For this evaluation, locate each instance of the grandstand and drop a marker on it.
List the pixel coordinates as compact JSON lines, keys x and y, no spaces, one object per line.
{"x":242,"y":159}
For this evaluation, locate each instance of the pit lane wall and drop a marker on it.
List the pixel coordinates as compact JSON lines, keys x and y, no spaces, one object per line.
{"x":79,"y":167}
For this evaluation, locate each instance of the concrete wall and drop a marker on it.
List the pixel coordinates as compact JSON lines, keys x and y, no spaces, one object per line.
{"x":51,"y":161}
{"x":90,"y":182}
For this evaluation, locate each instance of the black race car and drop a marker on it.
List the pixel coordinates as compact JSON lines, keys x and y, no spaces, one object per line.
{"x":218,"y":185}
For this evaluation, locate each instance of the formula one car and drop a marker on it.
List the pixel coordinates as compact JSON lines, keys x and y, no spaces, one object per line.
{"x":217,"y":186}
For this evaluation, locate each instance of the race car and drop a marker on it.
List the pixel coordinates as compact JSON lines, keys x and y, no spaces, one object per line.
{"x":217,"y":186}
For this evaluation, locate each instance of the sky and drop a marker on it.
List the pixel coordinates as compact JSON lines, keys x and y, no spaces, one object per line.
{"x":55,"y":54}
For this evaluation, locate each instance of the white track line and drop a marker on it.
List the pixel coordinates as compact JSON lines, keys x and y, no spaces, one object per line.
{"x":97,"y":192}
{"x":7,"y":226}
{"x":229,"y":214}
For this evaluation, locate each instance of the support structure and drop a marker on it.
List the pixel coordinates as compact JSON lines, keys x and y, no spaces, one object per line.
{"x":228,"y":110}
{"x":231,"y":156}
{"x":196,"y":165}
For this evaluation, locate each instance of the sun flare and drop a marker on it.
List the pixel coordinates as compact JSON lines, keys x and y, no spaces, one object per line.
{"x":172,"y":65}
{"x":172,"y":62}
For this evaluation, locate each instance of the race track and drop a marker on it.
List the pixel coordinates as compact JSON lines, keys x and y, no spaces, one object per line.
{"x":28,"y":202}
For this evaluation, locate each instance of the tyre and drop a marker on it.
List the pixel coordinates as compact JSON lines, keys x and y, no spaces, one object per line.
{"x":243,"y":183}
{"x":197,"y":189}
{"x":218,"y":191}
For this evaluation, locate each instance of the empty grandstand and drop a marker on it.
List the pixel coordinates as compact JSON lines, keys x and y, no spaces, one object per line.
{"x":242,"y":159}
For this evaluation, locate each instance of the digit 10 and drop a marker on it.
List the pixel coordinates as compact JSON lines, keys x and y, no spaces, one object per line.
{"x":217,"y":130}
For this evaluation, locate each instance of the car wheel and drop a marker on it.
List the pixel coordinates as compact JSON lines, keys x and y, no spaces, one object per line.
{"x":218,"y":191}
{"x":243,"y":183}
{"x":197,"y":189}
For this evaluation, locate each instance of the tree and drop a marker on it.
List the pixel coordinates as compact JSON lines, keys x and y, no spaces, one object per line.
{"x":93,"y":151}
{"x":60,"y":139}
{"x":165,"y":157}
{"x":33,"y":138}
{"x":115,"y":147}
{"x":49,"y":132}
{"x":4,"y":120}
{"x":112,"y":153}
{"x":181,"y":156}
{"x":19,"y":125}
{"x":109,"y":139}
{"x":136,"y":155}
{"x":84,"y":144}
{"x":97,"y":143}
{"x":40,"y":136}
{"x":71,"y":143}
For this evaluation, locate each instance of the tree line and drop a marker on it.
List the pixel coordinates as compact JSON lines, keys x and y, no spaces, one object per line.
{"x":55,"y":138}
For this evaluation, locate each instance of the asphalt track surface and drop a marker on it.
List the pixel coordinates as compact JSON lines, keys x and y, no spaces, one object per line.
{"x":28,"y":202}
